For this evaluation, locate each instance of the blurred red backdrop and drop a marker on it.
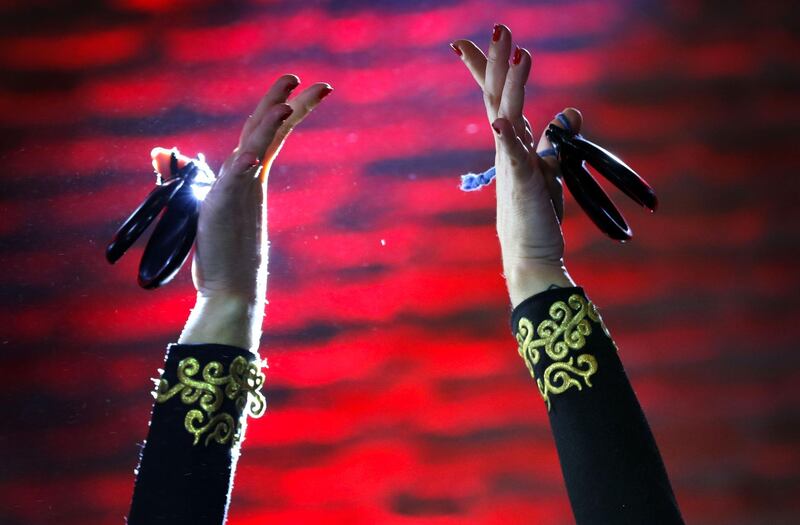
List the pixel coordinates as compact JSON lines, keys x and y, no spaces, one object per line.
{"x":396,"y":394}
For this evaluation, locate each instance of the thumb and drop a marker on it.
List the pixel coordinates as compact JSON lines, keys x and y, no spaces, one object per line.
{"x":572,"y":119}
{"x":162,"y":157}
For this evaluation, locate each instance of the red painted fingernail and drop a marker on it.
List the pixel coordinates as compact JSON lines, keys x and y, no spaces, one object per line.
{"x":496,"y":129}
{"x":517,"y":56}
{"x":456,"y":49}
{"x":291,"y":85}
{"x":327,"y":90}
{"x":248,"y":160}
{"x":496,"y":33}
{"x":287,"y":110}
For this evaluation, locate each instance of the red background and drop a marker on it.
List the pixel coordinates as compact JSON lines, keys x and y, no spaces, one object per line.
{"x":396,"y":394}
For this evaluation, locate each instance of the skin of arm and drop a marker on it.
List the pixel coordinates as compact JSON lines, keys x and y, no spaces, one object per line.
{"x":229,"y":268}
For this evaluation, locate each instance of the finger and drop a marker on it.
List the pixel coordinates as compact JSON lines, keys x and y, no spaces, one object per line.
{"x":278,"y":93}
{"x":496,"y":69}
{"x":301,"y":105}
{"x":162,"y":157}
{"x":510,"y":142}
{"x":550,"y":167}
{"x":528,"y":138}
{"x":545,"y":147}
{"x":255,"y":144}
{"x":473,"y":58}
{"x":513,"y":97}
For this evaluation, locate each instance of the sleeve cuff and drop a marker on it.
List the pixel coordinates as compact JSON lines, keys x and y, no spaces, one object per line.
{"x":212,"y":387}
{"x":560,"y":335}
{"x":544,"y":298}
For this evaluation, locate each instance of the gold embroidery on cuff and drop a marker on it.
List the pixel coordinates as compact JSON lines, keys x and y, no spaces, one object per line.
{"x":242,"y":385}
{"x":560,"y":336}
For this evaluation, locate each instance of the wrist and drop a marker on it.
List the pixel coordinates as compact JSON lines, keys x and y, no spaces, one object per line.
{"x":224,"y":319}
{"x":523,"y":281}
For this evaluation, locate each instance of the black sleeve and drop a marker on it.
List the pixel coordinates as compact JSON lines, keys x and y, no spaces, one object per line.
{"x":611,"y":465}
{"x":186,"y":468}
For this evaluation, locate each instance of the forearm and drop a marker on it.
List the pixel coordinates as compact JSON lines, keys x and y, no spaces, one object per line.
{"x":226,"y":320}
{"x":611,"y":464}
{"x":188,"y":461}
{"x":524,"y":280}
{"x":211,"y":379}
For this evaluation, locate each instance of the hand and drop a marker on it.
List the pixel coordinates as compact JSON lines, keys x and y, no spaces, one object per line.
{"x":530,"y":202}
{"x":229,"y":268}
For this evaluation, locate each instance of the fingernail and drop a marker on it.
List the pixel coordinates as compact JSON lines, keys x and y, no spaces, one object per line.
{"x":496,"y":33}
{"x":327,"y":90}
{"x":496,"y":129}
{"x":517,"y":56}
{"x":248,"y":160}
{"x":287,"y":110}
{"x":292,"y":84}
{"x":456,"y":49}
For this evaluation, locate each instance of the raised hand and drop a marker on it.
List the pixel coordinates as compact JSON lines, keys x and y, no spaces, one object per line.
{"x":530,"y":202}
{"x":229,"y":267}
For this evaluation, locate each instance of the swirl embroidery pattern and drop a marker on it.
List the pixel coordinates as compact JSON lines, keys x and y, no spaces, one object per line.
{"x":560,"y":337}
{"x":242,"y":385}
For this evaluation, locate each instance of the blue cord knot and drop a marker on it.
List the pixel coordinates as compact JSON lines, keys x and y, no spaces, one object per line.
{"x":476,"y":181}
